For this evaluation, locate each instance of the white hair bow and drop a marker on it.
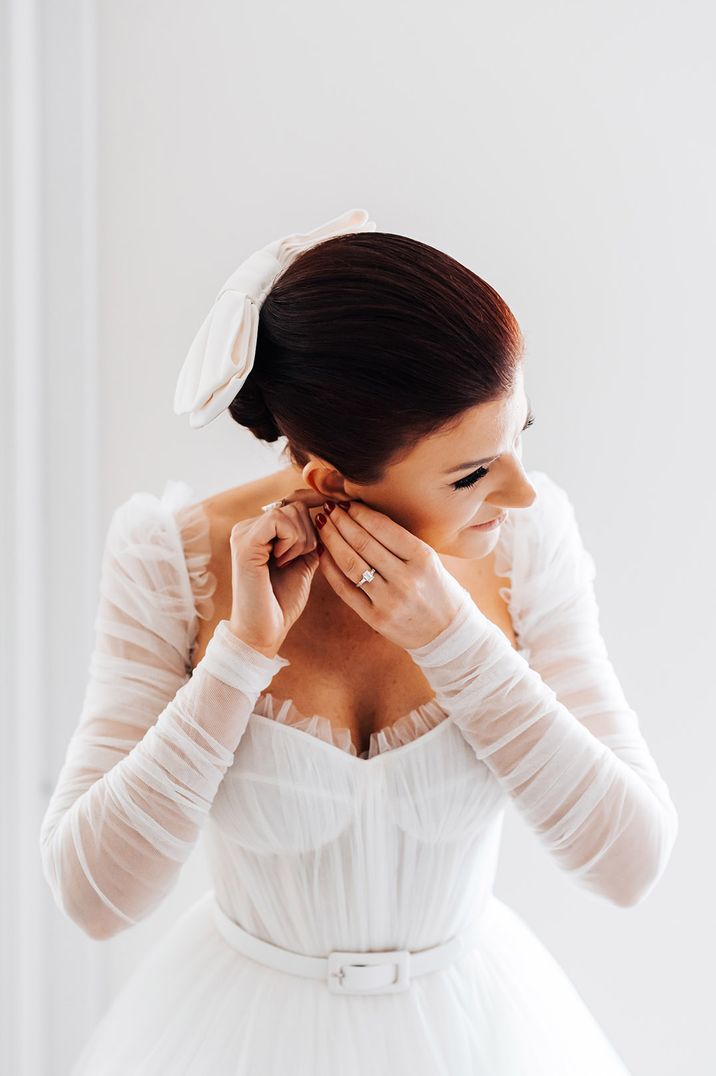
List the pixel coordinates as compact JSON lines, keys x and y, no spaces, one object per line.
{"x":222,"y":354}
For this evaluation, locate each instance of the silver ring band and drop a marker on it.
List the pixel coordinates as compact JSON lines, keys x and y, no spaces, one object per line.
{"x":273,"y":504}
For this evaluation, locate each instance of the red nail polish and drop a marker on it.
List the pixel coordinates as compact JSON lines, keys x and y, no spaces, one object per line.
{"x":345,"y":505}
{"x":329,"y":506}
{"x":320,"y":520}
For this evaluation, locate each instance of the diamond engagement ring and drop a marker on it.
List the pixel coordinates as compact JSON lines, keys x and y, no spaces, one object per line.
{"x":273,"y":504}
{"x":366,"y":577}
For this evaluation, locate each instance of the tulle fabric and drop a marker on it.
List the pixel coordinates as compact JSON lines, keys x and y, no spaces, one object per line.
{"x":315,"y":848}
{"x":151,"y":746}
{"x":197,"y":1007}
{"x":400,"y":732}
{"x":552,"y":723}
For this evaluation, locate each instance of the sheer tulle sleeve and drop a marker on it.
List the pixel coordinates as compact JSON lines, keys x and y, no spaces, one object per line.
{"x":552,"y":723}
{"x":153,"y":740}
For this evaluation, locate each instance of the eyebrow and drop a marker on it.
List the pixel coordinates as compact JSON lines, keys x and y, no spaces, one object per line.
{"x":488,"y":459}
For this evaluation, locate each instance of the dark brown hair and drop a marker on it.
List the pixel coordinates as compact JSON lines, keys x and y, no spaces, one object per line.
{"x":368,"y":342}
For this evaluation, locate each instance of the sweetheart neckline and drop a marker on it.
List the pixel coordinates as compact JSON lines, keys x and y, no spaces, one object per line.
{"x":293,"y":730}
{"x":431,"y":704}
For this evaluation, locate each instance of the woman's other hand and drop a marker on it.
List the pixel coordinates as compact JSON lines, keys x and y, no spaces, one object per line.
{"x":273,"y":560}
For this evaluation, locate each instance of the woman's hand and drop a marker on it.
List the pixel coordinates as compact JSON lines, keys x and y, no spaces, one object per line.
{"x":268,"y":598}
{"x":411,"y":598}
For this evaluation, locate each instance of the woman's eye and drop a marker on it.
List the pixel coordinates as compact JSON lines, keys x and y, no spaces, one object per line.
{"x":471,"y":479}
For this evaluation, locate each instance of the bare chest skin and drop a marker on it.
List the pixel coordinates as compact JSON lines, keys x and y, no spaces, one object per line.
{"x":340,"y":667}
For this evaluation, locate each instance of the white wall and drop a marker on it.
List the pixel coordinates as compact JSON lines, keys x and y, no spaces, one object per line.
{"x":559,"y":151}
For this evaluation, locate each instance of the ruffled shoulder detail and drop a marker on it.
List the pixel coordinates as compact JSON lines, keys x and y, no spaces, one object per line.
{"x":542,"y":555}
{"x":193,"y":523}
{"x":159,"y":547}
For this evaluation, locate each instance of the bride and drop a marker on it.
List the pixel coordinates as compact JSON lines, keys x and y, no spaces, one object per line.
{"x":422,"y":608}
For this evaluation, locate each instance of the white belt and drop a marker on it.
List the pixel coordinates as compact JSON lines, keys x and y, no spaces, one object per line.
{"x":350,"y":972}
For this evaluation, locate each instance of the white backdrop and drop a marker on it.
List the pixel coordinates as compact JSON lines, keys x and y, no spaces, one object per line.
{"x":558,"y":150}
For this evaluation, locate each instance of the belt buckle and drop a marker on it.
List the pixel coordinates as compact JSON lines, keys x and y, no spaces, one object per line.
{"x":338,"y":960}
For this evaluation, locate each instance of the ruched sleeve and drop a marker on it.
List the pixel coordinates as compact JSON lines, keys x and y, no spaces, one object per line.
{"x":153,"y":740}
{"x":551,"y":722}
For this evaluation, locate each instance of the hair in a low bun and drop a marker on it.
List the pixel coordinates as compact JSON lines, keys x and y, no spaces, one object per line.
{"x":249,"y":409}
{"x":368,"y":342}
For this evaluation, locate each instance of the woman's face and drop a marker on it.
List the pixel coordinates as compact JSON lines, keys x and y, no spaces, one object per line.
{"x":442,"y":489}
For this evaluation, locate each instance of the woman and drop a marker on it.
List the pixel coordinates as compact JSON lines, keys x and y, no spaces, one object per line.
{"x":423,"y":609}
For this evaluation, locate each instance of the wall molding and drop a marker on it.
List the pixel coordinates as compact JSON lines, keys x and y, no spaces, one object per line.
{"x":53,"y":980}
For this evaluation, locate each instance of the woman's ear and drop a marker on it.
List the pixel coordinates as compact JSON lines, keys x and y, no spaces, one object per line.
{"x":324,"y":479}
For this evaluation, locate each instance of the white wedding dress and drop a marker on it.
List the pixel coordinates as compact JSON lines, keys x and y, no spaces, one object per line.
{"x":314,"y":848}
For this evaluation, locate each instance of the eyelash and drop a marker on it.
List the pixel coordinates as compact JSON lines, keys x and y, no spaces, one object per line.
{"x":470,"y":479}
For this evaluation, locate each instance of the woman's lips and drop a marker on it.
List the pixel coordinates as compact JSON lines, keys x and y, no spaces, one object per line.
{"x":490,"y":523}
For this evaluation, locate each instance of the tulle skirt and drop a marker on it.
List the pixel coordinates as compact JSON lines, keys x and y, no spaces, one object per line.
{"x":197,"y":1006}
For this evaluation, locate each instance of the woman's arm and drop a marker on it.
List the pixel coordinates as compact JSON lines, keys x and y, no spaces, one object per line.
{"x":151,"y":747}
{"x":558,"y":733}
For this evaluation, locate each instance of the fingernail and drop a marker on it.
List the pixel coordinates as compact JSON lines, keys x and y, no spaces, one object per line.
{"x":320,"y":520}
{"x":329,"y":506}
{"x":345,"y":505}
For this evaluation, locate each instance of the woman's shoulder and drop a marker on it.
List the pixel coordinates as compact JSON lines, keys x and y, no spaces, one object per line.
{"x":189,"y":533}
{"x":552,"y":532}
{"x":538,"y":531}
{"x":162,"y":546}
{"x":542,"y":553}
{"x":552,"y":502}
{"x":231,"y":505}
{"x":178,"y":506}
{"x":167,"y":561}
